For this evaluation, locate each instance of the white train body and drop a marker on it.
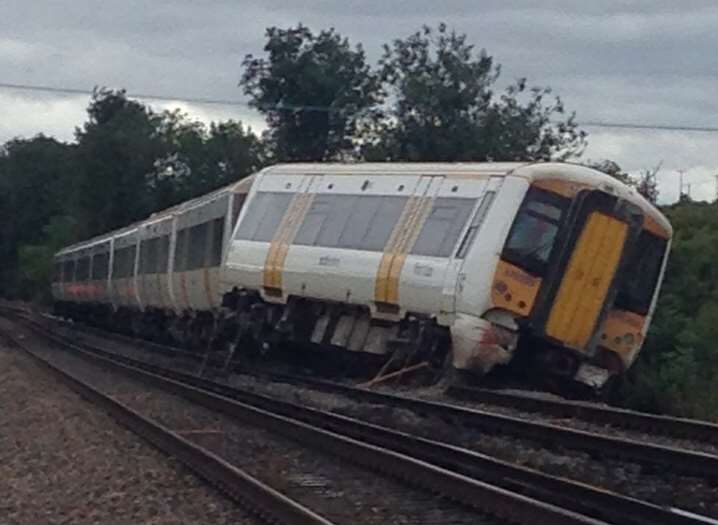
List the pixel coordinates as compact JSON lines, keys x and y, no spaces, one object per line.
{"x":353,"y":255}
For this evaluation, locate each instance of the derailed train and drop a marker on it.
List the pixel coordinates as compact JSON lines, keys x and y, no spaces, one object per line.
{"x":555,"y":266}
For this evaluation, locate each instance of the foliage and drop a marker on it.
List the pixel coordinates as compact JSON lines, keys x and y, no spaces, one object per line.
{"x":313,"y":89}
{"x":646,"y":183}
{"x":676,"y":370}
{"x":443,"y":107}
{"x":126,"y":162}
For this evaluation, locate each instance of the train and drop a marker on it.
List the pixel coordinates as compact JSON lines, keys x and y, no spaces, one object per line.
{"x":547,"y":267}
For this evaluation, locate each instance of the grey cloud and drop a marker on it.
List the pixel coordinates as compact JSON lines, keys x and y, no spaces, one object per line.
{"x":645,"y":61}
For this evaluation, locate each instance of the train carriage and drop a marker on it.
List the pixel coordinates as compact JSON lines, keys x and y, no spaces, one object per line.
{"x":551,"y":265}
{"x":489,"y":255}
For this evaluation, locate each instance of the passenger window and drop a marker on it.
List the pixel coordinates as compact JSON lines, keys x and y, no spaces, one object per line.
{"x":99,"y":266}
{"x":197,"y":246}
{"x":358,"y":222}
{"x":476,"y":223}
{"x":239,"y":199}
{"x":163,"y":253}
{"x":117,"y":263}
{"x":69,"y":271}
{"x":147,"y":256}
{"x":215,"y":256}
{"x":443,"y":226}
{"x":57,"y":272}
{"x":264,"y":215}
{"x":372,"y":221}
{"x":124,"y":263}
{"x":325,"y":220}
{"x":83,"y":269}
{"x":181,"y":251}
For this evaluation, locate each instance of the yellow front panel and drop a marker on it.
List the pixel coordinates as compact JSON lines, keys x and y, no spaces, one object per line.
{"x":586,"y":281}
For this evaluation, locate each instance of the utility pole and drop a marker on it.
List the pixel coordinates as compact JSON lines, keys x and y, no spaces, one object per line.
{"x":716,"y":176}
{"x":680,"y":189}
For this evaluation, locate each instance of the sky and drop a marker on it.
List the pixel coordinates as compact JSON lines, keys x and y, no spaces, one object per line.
{"x":647,"y":62}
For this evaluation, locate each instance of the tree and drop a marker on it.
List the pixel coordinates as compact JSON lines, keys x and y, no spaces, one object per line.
{"x":442,"y":107}
{"x":198,"y":160}
{"x":313,"y":90}
{"x":33,"y":174}
{"x":647,"y":184}
{"x":612,"y":168}
{"x":116,"y":151}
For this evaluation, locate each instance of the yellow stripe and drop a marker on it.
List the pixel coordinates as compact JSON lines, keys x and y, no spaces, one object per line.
{"x":390,"y":250}
{"x":295,"y":222}
{"x":411,"y":233}
{"x":283,"y":237}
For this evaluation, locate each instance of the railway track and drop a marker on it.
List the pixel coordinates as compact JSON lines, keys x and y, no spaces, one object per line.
{"x":600,"y":414}
{"x":502,"y":505}
{"x":602,"y":443}
{"x":558,"y":492}
{"x":236,"y":484}
{"x":597,"y":414}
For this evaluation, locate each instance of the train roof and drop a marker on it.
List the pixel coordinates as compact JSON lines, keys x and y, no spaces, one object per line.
{"x":532,"y":171}
{"x":238,"y":186}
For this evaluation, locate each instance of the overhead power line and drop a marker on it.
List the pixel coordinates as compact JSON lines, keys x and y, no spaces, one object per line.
{"x":244,"y":103}
{"x":659,"y":127}
{"x":166,"y":98}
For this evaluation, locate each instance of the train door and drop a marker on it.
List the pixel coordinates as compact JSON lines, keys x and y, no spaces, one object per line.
{"x":389,"y":286}
{"x":432,"y":261}
{"x":582,"y":285}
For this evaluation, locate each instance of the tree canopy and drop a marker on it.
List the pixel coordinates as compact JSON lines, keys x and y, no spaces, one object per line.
{"x":313,"y":90}
{"x":442,"y":105}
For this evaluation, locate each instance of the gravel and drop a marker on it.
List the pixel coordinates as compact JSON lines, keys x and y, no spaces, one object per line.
{"x":64,"y":461}
{"x":638,"y":480}
{"x":340,"y":491}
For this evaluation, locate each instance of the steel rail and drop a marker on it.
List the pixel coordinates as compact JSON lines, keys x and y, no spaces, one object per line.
{"x":267,"y":503}
{"x":681,"y":428}
{"x":488,"y":498}
{"x":582,"y":498}
{"x":600,"y":414}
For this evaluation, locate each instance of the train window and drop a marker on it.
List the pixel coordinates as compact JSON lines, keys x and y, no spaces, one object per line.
{"x":197,"y":246}
{"x":264,"y":215}
{"x":325,"y":220}
{"x":100,"y":263}
{"x":371,"y":222}
{"x":83,"y":269}
{"x":163,"y":253}
{"x":534,"y":230}
{"x":150,"y":256}
{"x":443,"y":226}
{"x":117,"y":263}
{"x":215,"y":254}
{"x":476,"y":223}
{"x":638,"y":283}
{"x":57,"y":272}
{"x":239,"y":199}
{"x":124,"y":262}
{"x":181,"y":251}
{"x":358,"y":222}
{"x":69,"y":271}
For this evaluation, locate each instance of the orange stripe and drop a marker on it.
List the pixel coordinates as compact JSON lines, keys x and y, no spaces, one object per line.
{"x":411,"y":233}
{"x":390,"y":251}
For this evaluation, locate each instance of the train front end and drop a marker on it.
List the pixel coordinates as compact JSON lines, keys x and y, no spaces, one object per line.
{"x":577,"y":278}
